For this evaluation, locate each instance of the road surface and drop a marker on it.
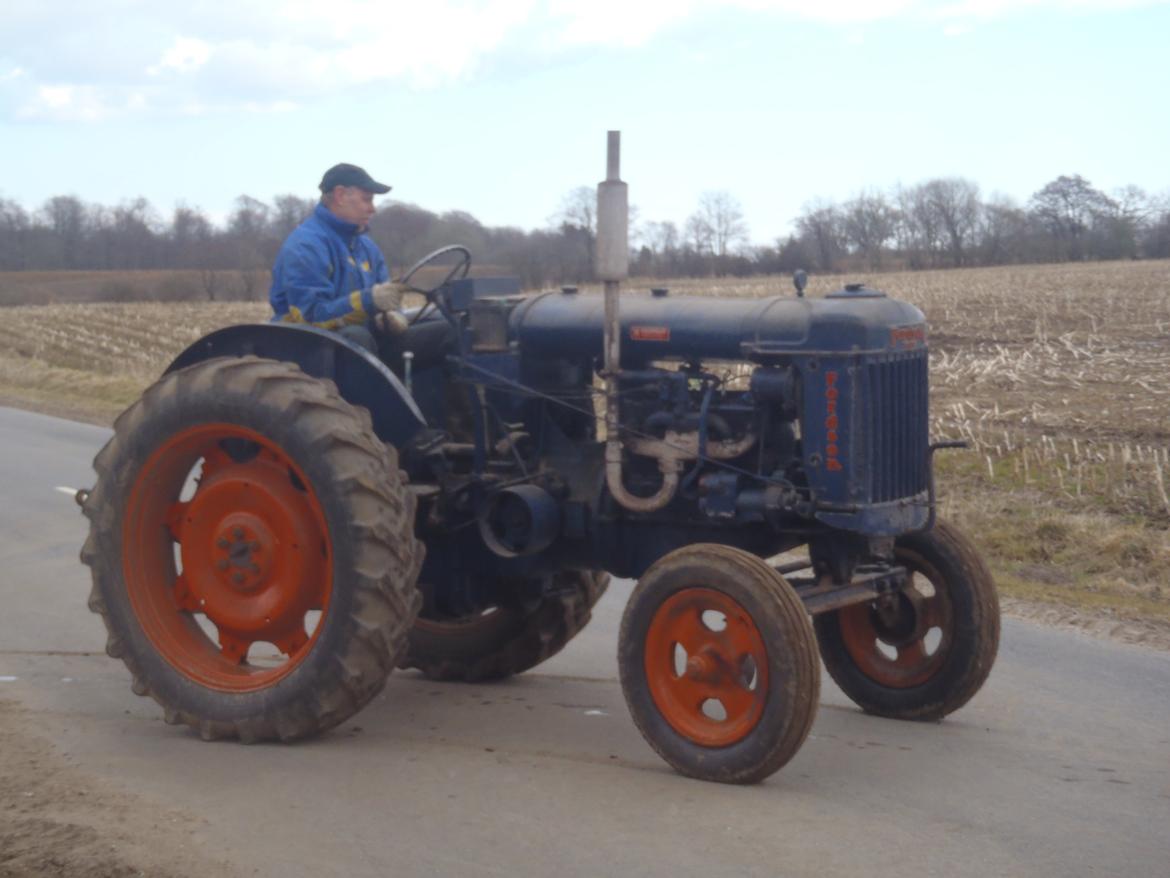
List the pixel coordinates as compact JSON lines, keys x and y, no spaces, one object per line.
{"x":1060,"y":766}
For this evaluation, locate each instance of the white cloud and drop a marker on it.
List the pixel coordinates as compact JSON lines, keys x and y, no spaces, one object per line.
{"x":135,"y":56}
{"x":993,"y":8}
{"x":66,"y":102}
{"x":185,"y":55}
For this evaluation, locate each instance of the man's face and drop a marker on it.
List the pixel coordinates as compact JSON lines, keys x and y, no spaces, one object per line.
{"x":352,"y":204}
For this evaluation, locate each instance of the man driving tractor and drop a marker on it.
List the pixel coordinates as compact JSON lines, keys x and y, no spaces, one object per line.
{"x":329,"y":273}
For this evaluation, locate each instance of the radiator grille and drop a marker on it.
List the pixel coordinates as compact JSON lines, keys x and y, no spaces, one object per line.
{"x":897,"y":425}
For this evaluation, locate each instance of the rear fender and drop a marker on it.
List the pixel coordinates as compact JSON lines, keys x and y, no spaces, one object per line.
{"x":361,"y":377}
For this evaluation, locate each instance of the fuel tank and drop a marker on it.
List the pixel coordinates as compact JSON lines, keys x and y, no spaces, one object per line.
{"x":853,"y":320}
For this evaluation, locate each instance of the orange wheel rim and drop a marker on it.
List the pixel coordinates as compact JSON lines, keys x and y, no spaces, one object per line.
{"x":903,"y":640}
{"x":239,"y":563}
{"x":707,"y":667}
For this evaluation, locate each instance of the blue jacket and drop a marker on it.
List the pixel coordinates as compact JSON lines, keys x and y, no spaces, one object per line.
{"x":324,"y":272}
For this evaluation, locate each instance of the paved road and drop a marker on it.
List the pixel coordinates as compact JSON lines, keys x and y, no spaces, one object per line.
{"x":1060,"y":766}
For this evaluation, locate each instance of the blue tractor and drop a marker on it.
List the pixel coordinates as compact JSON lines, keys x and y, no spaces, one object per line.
{"x":284,"y":517}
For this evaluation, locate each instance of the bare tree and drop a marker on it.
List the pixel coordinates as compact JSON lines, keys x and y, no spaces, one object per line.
{"x":1003,"y":231}
{"x":134,"y":232}
{"x":699,"y":235}
{"x":955,"y":203}
{"x":820,"y":228}
{"x":190,"y":234}
{"x":577,"y":220}
{"x":1068,"y":207}
{"x":289,"y":211}
{"x":14,"y":233}
{"x":869,"y":222}
{"x":721,"y":213}
{"x":661,"y":238}
{"x":68,"y":219}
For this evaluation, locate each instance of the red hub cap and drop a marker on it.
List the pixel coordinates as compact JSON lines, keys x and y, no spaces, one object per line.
{"x":247,"y":555}
{"x":707,"y":667}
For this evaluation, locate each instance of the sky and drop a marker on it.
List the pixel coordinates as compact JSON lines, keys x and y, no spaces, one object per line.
{"x":501,"y":107}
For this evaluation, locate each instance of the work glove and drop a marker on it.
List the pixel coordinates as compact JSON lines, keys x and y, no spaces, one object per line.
{"x":391,"y":322}
{"x":388,"y":307}
{"x":388,"y":296}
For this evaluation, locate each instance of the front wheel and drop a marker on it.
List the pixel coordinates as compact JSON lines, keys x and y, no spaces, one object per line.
{"x":718,"y":664}
{"x":924,"y":652}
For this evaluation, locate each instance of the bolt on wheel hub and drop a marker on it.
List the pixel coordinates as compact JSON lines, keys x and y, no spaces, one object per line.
{"x":243,"y":551}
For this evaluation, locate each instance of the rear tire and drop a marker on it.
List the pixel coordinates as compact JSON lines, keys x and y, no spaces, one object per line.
{"x":888,"y":665}
{"x":507,"y":640}
{"x":299,"y":512}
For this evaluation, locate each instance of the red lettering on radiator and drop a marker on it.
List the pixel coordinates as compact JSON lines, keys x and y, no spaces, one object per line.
{"x":832,"y":423}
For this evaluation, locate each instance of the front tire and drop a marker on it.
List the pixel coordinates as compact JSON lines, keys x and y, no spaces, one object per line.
{"x":926,"y":651}
{"x":252,"y":550}
{"x":718,"y":664}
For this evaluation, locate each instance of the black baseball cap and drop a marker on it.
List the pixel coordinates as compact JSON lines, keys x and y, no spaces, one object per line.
{"x":351,"y":175}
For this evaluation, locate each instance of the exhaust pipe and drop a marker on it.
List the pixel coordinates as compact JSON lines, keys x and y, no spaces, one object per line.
{"x":612,"y":267}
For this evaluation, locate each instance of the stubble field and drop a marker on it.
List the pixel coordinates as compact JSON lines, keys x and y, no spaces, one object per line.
{"x":1058,"y":376}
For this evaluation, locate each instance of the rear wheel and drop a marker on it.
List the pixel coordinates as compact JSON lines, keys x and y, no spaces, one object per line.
{"x":924,"y":652}
{"x":718,"y":664}
{"x":252,"y":550}
{"x":505,"y":640}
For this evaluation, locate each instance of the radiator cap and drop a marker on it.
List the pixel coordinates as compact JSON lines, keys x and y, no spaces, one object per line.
{"x":856,"y":291}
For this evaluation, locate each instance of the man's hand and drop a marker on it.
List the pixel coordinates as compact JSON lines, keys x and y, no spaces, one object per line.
{"x":388,"y":296}
{"x":391,"y":322}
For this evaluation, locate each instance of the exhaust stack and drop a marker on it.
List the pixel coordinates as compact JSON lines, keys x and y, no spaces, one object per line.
{"x":612,"y":267}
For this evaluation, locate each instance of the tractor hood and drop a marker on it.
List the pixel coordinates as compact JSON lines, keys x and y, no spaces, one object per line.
{"x":854,"y":320}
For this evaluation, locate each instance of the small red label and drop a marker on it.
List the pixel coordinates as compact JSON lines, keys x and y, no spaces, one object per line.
{"x":907,"y":336}
{"x":650,"y":333}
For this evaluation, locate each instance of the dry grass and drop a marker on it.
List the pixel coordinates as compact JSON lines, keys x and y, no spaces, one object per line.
{"x":163,"y":285}
{"x":1059,"y":376}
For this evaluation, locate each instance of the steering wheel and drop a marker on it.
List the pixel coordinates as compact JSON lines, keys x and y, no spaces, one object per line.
{"x":458,"y":270}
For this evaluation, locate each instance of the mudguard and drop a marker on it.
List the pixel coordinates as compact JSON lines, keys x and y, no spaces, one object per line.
{"x":361,"y":377}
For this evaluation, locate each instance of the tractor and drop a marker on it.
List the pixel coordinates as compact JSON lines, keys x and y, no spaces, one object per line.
{"x":285,"y":517}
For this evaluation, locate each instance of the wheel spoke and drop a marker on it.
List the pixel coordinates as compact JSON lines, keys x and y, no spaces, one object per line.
{"x":291,"y":643}
{"x":233,"y":648}
{"x":214,"y":459}
{"x":933,"y":614}
{"x":184,"y":598}
{"x":317,"y":594}
{"x":688,"y":630}
{"x":174,"y":520}
{"x":911,"y":656}
{"x":736,"y":699}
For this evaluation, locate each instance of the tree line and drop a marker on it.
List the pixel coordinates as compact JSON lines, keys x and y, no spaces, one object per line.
{"x":943,"y":222}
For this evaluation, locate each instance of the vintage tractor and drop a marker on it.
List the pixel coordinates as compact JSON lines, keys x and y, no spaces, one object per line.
{"x":284,"y":517}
